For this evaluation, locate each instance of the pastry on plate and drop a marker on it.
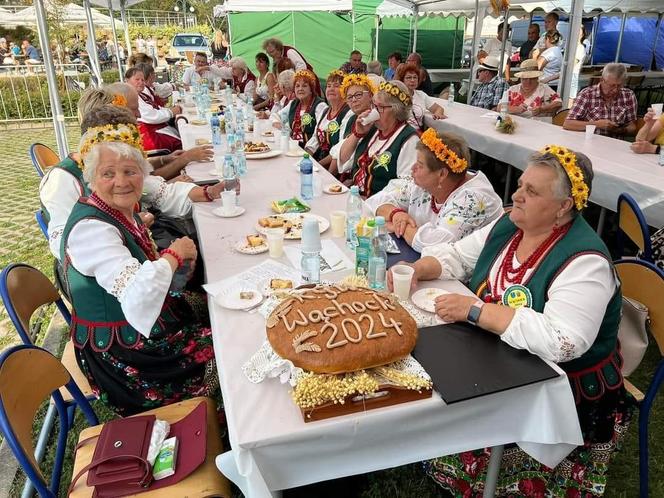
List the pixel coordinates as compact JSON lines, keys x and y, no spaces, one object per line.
{"x":256,"y":147}
{"x":271,"y":222}
{"x":255,"y":240}
{"x":335,"y":188}
{"x":247,"y":295}
{"x":278,"y":283}
{"x":202,"y":141}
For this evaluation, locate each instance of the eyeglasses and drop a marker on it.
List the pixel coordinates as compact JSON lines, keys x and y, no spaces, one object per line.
{"x":355,"y":96}
{"x":381,"y":107}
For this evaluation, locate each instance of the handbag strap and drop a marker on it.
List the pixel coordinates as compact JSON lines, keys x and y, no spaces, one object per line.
{"x":143,"y":481}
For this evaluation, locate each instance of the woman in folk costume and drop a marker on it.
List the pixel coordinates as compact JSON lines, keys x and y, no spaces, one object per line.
{"x":305,"y":111}
{"x":139,"y":345}
{"x":544,"y":282}
{"x":328,"y":129}
{"x":154,"y":123}
{"x":244,"y":81}
{"x":382,"y":150}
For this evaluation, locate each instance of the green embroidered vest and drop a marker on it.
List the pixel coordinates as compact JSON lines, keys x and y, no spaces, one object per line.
{"x":381,"y":169}
{"x":598,"y":368}
{"x":71,"y":167}
{"x":97,"y":316}
{"x":349,"y":125}
{"x":309,"y":128}
{"x":330,"y":136}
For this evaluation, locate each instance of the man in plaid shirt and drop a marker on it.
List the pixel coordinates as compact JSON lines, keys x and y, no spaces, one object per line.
{"x":608,"y":105}
{"x":491,"y":88}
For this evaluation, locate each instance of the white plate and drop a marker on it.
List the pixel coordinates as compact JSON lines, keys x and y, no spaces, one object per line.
{"x":219,"y":212}
{"x":315,"y":168}
{"x":426,"y":298}
{"x":297,"y":218}
{"x":327,"y":190}
{"x":198,"y":122}
{"x":258,"y":152}
{"x":263,"y":155}
{"x":295,"y":153}
{"x":230,"y":296}
{"x":243,"y":247}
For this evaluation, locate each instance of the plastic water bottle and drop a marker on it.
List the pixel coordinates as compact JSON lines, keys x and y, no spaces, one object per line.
{"x":353,"y":215}
{"x":378,"y":257}
{"x":239,"y":119}
{"x":219,"y":160}
{"x":229,"y":173}
{"x":215,"y":124}
{"x":228,"y":93}
{"x":504,"y":105}
{"x":450,"y":96}
{"x":306,"y":178}
{"x":311,"y":247}
{"x":240,"y":157}
{"x":230,"y":141}
{"x":285,"y":137}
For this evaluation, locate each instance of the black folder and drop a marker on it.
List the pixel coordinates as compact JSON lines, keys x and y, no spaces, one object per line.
{"x":466,"y":362}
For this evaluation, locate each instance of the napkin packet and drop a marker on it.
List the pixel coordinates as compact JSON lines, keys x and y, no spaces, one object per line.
{"x":293,"y":205}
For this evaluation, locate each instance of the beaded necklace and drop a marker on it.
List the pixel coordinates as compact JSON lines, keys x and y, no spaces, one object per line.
{"x":365,"y":161}
{"x":507,"y":274}
{"x":138,"y":231}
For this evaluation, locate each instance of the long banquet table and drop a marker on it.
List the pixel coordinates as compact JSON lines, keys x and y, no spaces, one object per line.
{"x":617,"y":169}
{"x":271,"y":446}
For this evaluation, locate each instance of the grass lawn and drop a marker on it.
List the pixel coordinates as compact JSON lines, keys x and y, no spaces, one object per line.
{"x":21,"y":241}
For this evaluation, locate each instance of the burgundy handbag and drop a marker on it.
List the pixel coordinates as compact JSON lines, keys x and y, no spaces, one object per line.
{"x":119,"y":465}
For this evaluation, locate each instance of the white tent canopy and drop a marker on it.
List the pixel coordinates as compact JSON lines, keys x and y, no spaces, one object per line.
{"x":115,"y":4}
{"x":71,"y":14}
{"x":282,"y":6}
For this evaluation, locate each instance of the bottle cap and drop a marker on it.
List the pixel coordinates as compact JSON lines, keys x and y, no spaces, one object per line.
{"x":310,"y":235}
{"x":371,"y":223}
{"x":305,"y":156}
{"x":379,"y":221}
{"x":354,"y":189}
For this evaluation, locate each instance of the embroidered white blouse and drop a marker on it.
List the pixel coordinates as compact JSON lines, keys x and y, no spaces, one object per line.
{"x":322,"y":124}
{"x":59,"y":191}
{"x":420,"y":109}
{"x":573,"y":313}
{"x":469,"y":207}
{"x":96,"y":249}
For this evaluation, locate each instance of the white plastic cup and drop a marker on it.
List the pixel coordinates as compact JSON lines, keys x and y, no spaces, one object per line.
{"x":372,"y":117}
{"x":228,"y":202}
{"x":402,"y":275}
{"x":590,"y":131}
{"x":275,"y":241}
{"x":338,"y":222}
{"x":293,"y":145}
{"x":658,"y":109}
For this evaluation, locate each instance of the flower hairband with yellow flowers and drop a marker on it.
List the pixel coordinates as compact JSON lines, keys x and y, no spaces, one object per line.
{"x":336,"y":72}
{"x":442,"y":152}
{"x":119,"y":101}
{"x":567,"y":159}
{"x":395,"y":91}
{"x":307,"y":75}
{"x":356,"y":80}
{"x":126,"y":133}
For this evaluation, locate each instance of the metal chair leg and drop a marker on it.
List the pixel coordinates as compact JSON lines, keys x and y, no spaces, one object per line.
{"x":40,"y":448}
{"x":644,"y":415}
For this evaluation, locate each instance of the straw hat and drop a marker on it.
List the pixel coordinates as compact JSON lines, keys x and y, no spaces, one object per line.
{"x":529,"y":69}
{"x":490,"y":63}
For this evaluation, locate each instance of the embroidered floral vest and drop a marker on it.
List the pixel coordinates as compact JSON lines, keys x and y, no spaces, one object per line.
{"x":598,"y":369}
{"x":349,"y":125}
{"x":331,"y":135}
{"x":381,"y":169}
{"x":307,"y":121}
{"x":71,"y":167}
{"x":97,"y":316}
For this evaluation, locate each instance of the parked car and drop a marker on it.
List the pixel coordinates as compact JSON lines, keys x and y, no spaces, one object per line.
{"x":187,"y":42}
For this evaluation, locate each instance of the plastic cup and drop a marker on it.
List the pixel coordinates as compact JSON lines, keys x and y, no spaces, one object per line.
{"x":228,"y":202}
{"x":293,"y":145}
{"x":658,"y":109}
{"x":275,"y":242}
{"x":590,"y":131}
{"x":402,"y":275}
{"x":338,"y":222}
{"x":372,"y":117}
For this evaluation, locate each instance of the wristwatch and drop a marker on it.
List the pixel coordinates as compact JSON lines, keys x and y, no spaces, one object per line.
{"x":474,"y":313}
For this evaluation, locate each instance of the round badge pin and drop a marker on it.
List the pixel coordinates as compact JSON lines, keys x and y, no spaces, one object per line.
{"x":517,"y":296}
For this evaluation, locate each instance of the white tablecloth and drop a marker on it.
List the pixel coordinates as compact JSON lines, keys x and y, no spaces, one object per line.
{"x":617,"y":169}
{"x":272,"y":448}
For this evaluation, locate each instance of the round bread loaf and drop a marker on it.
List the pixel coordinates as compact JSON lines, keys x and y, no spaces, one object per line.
{"x":337,"y":329}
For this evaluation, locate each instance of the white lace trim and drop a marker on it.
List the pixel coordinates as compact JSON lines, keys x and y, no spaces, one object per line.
{"x":124,"y":278}
{"x":160,"y":195}
{"x":55,"y":234}
{"x":566,"y":348}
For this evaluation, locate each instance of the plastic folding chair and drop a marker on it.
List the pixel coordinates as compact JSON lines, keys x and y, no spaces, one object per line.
{"x":559,"y":118}
{"x":39,"y":216}
{"x":42,"y":157}
{"x":632,"y":224}
{"x":644,"y":282}
{"x":28,"y":374}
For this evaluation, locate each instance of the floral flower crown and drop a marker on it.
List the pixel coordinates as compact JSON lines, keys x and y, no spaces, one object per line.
{"x":567,"y":160}
{"x":307,"y":75}
{"x":442,"y":152}
{"x":356,"y":80}
{"x":119,"y":101}
{"x":395,"y":91}
{"x":336,"y":72}
{"x":125,"y":133}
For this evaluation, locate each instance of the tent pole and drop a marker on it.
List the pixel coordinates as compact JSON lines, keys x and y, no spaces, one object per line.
{"x":352,"y":23}
{"x":230,"y":34}
{"x":92,"y":43}
{"x":477,"y":31}
{"x":620,"y":36}
{"x":566,"y":71}
{"x":658,"y":25}
{"x":416,"y":16}
{"x":506,"y":29}
{"x":123,"y":17}
{"x":115,"y":39}
{"x":593,"y":37}
{"x":376,"y":42}
{"x":54,"y":97}
{"x":456,"y":29}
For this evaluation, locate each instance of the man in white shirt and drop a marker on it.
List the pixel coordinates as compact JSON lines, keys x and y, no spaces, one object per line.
{"x":551,"y":26}
{"x":493,"y":47}
{"x":201,"y":69}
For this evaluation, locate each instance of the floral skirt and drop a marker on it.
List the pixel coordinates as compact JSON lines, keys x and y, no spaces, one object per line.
{"x":582,"y":474}
{"x":157,"y":371}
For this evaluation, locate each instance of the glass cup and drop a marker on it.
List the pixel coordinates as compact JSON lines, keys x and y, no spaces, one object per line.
{"x":658,"y":109}
{"x":275,"y":241}
{"x":228,"y":202}
{"x":590,"y":131}
{"x":402,"y":275}
{"x":338,"y":222}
